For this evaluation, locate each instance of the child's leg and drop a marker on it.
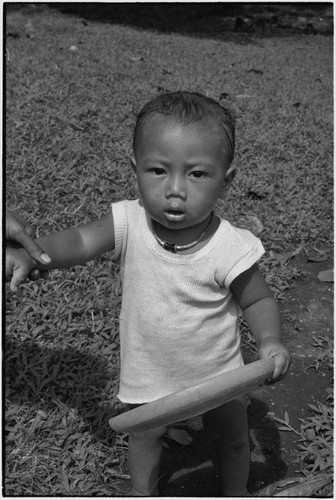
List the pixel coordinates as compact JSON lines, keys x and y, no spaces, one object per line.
{"x":144,"y":453}
{"x":228,"y":427}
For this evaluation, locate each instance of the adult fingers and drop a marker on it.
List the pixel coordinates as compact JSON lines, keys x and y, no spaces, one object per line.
{"x":15,"y":224}
{"x":20,"y":231}
{"x":26,"y":226}
{"x":32,"y":247}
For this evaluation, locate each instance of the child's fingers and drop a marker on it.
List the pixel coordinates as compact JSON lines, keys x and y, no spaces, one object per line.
{"x":19,"y":276}
{"x":36,"y":274}
{"x":282,"y":363}
{"x":280,"y":355}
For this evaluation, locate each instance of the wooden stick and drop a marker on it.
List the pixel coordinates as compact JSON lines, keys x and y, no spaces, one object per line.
{"x":195,"y":400}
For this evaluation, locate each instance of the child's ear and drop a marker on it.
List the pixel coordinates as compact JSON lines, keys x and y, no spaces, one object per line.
{"x":229,"y":177}
{"x":133,"y":164}
{"x":136,"y":187}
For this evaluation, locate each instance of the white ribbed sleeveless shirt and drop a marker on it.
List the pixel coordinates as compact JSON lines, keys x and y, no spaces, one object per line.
{"x":178,"y":320}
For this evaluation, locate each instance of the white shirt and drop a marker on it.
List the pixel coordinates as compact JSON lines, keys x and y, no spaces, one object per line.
{"x":179,"y":319}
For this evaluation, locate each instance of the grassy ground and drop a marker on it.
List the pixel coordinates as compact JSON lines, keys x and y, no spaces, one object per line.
{"x":73,"y":88}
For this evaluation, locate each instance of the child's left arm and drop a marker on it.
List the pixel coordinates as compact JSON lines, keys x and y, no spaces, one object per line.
{"x":263,"y":318}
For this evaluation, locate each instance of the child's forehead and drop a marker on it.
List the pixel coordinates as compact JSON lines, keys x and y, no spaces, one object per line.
{"x":163,"y":123}
{"x":169,"y":134}
{"x":166,"y":135}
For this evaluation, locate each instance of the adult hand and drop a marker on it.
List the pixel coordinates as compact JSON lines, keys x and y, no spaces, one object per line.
{"x":21,"y":232}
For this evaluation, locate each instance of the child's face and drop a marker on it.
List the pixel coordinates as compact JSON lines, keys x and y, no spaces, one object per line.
{"x":181,"y":171}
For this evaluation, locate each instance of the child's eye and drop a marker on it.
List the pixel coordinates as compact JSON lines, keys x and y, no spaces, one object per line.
{"x":197,"y":174}
{"x":157,"y":171}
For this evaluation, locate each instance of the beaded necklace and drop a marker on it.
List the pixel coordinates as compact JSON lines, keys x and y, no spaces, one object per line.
{"x":173,"y":247}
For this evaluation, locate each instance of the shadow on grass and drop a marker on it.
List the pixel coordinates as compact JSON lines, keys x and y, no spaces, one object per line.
{"x":233,"y":21}
{"x":56,"y":377}
{"x":48,"y":379}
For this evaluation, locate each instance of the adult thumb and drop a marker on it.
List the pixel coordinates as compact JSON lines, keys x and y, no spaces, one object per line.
{"x":34,"y":250}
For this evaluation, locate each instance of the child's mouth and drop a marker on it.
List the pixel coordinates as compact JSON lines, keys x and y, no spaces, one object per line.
{"x":174,"y":215}
{"x":174,"y":212}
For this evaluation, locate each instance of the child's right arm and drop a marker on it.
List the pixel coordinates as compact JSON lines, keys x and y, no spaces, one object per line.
{"x":66,"y":249}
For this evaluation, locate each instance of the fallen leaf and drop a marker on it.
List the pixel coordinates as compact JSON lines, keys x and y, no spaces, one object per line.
{"x":190,"y":470}
{"x":285,"y":257}
{"x":179,"y":435}
{"x":297,"y":487}
{"x":250,"y":222}
{"x":257,"y":71}
{"x":162,"y":89}
{"x":12,"y":34}
{"x":254,"y":195}
{"x":317,"y":257}
{"x":118,"y":475}
{"x":326,"y":276}
{"x":194,"y":423}
{"x":305,"y":488}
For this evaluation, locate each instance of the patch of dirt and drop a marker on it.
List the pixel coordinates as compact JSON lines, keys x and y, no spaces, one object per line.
{"x":308,"y":312}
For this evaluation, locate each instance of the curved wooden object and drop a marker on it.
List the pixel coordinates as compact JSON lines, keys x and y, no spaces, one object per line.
{"x":195,"y":400}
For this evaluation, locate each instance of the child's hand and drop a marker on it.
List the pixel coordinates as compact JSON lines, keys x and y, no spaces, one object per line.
{"x":18,"y":266}
{"x":274,"y":348}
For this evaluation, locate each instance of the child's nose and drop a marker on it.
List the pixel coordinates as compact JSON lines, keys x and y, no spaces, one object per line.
{"x":176,"y":187}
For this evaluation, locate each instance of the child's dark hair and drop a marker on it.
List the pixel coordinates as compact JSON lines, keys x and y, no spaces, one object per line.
{"x":190,"y":107}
